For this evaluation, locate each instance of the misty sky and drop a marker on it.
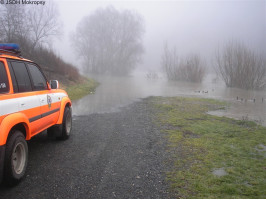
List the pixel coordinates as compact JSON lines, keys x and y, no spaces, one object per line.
{"x":191,"y":26}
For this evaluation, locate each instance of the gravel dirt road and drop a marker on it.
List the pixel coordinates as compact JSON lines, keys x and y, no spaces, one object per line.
{"x":110,"y":155}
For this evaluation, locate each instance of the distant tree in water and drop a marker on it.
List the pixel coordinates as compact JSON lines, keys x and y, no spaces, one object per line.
{"x":110,"y":41}
{"x":240,"y":67}
{"x":152,"y":75}
{"x":190,"y":69}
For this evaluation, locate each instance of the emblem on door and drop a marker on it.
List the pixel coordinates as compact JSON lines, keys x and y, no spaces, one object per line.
{"x":49,"y":101}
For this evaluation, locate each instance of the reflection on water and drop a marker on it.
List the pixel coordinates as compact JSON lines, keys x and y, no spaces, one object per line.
{"x":121,"y":91}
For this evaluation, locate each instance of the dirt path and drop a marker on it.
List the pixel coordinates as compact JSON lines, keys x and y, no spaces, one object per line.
{"x":112,"y":155}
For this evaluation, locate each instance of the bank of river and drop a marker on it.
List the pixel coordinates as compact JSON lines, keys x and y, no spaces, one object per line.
{"x":80,"y":89}
{"x":116,"y":92}
{"x":211,"y":157}
{"x":158,"y":147}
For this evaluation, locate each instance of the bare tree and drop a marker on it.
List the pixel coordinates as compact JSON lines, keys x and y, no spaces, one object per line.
{"x":34,"y":27}
{"x":29,"y":26}
{"x":44,"y":23}
{"x":240,"y":67}
{"x":190,"y":69}
{"x":110,"y":41}
{"x":170,"y":62}
{"x":13,"y":24}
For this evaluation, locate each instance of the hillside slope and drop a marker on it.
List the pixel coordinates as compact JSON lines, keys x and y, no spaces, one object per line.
{"x":55,"y":68}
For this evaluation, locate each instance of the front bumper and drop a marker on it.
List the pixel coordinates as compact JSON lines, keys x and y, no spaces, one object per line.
{"x":2,"y":159}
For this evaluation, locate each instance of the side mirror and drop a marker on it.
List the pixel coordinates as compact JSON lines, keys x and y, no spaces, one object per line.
{"x":54,"y":84}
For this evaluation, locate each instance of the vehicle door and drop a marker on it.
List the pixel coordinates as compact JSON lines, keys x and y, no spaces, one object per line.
{"x":24,"y":96}
{"x":49,"y":104}
{"x":4,"y":93}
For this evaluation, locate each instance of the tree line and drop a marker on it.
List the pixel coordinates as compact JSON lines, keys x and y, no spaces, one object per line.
{"x":31,"y":27}
{"x":34,"y":30}
{"x":109,"y":41}
{"x":235,"y":63}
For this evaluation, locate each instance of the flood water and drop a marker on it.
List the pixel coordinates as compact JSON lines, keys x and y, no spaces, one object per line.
{"x":114,"y":93}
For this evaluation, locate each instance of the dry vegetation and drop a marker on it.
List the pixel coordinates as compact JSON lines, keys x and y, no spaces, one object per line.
{"x":34,"y":30}
{"x":190,"y":69}
{"x":54,"y":67}
{"x":240,"y":67}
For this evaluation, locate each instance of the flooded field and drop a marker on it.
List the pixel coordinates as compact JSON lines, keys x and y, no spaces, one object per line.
{"x":117,"y":92}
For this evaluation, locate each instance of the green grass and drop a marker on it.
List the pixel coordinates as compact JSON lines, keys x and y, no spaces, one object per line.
{"x":79,"y":90}
{"x":200,"y":143}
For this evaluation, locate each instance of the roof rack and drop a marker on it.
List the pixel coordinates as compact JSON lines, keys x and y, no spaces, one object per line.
{"x":12,"y":53}
{"x":10,"y":49}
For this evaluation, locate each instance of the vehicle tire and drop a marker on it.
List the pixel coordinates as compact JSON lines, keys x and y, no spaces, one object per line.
{"x":16,"y":158}
{"x":66,"y":127}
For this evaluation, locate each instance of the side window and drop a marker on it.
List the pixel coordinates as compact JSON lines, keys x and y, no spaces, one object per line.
{"x":14,"y":81}
{"x":4,"y":85}
{"x":22,"y":77}
{"x":39,"y":82}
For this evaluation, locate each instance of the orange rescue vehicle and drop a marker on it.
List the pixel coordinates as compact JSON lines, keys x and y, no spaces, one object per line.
{"x":28,"y":106}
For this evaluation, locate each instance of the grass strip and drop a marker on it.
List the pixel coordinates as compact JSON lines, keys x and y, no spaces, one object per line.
{"x":81,"y":89}
{"x":212,"y":157}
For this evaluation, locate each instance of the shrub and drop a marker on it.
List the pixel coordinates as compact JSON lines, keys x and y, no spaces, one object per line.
{"x":240,"y":67}
{"x":190,"y":69}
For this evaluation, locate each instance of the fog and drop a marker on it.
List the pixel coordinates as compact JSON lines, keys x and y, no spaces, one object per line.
{"x":190,"y":26}
{"x":199,"y":27}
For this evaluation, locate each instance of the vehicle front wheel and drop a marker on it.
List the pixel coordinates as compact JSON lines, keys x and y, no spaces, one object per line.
{"x":16,"y":158}
{"x":66,"y":125}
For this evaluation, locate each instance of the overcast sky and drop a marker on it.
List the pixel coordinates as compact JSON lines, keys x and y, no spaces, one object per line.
{"x":192,"y":26}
